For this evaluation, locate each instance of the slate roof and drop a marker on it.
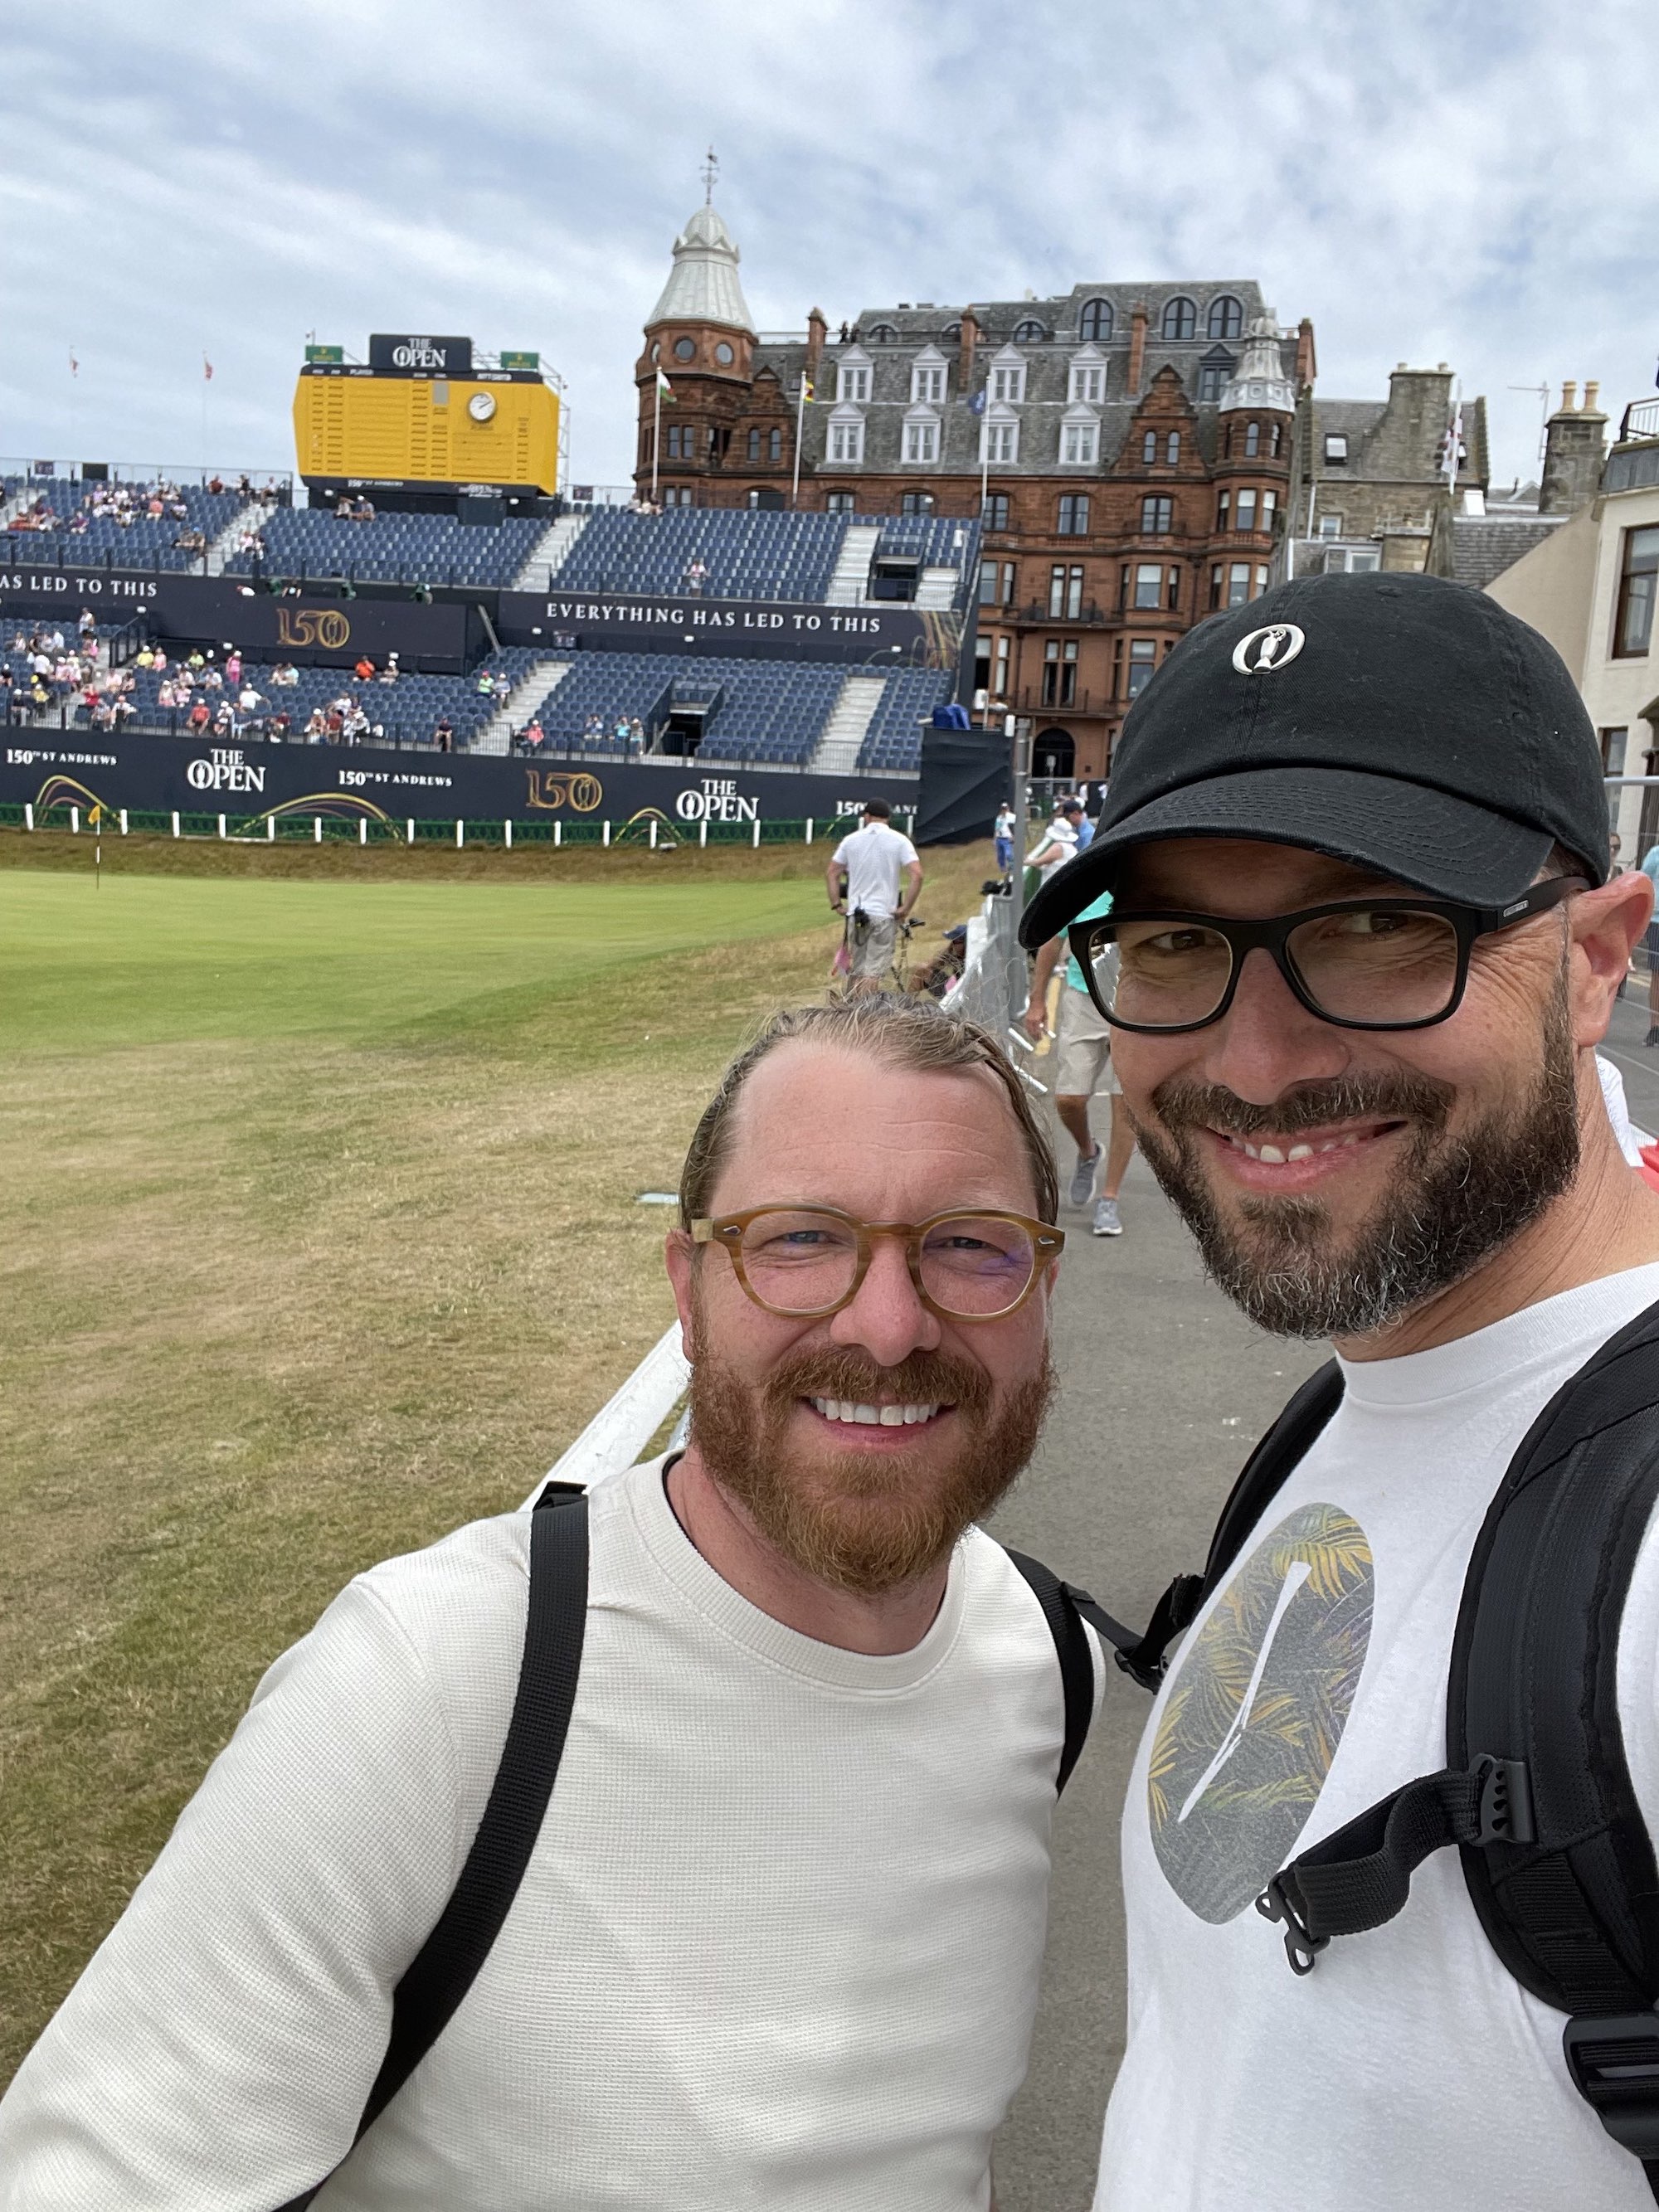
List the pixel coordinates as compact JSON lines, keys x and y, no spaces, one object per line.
{"x":1485,"y":545}
{"x":1047,"y":366}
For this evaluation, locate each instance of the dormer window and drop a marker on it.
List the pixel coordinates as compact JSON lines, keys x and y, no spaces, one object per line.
{"x":1180,"y":319}
{"x":883,"y":334}
{"x":1088,"y":378}
{"x":853,"y":376}
{"x":1008,"y":377}
{"x":1000,"y":438}
{"x":928,"y":378}
{"x":1029,"y":333}
{"x":1336,"y":450}
{"x":1096,"y":321}
{"x":921,"y":438}
{"x":847,"y":436}
{"x":1226,"y":319}
{"x":1080,"y":439}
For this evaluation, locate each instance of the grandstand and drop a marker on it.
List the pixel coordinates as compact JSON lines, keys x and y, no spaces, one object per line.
{"x":122,"y":525}
{"x":305,"y":543}
{"x":825,"y":715}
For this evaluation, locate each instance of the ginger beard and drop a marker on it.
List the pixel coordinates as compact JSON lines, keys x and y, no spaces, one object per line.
{"x":862,"y":1521}
{"x":1455,"y":1200}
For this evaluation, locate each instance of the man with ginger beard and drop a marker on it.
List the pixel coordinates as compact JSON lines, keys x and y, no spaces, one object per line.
{"x":1362,"y":946}
{"x":779,"y":1938}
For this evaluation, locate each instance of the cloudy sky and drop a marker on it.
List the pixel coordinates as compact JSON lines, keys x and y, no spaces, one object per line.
{"x":1429,"y":180}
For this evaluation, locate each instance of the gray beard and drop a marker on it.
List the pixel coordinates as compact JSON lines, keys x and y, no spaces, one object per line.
{"x":1457,"y":1200}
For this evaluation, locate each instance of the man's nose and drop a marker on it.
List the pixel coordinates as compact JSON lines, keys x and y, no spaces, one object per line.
{"x":887,"y":1319}
{"x":1267,"y":1042}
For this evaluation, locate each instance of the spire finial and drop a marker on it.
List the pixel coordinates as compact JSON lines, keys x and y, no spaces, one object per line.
{"x":709,"y":173}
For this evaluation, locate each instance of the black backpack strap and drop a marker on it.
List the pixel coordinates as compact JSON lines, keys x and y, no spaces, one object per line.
{"x":447,"y":1963}
{"x":1536,"y":1792}
{"x":1259,"y":1482}
{"x":1077,"y":1666}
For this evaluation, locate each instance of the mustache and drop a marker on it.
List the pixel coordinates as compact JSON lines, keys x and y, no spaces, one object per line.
{"x":1183,"y":1106}
{"x":919,"y":1378}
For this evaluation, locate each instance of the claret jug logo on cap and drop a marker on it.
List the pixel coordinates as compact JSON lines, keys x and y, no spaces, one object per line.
{"x":1265,"y":650}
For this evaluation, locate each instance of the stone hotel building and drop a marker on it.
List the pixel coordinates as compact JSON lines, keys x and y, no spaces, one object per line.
{"x":1128,"y":447}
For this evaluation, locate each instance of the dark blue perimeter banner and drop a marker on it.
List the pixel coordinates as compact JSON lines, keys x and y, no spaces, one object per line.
{"x":883,"y":636}
{"x":449,"y":634}
{"x":245,"y":783}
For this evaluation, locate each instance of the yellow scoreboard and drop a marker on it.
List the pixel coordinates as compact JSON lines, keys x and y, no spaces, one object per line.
{"x":421,"y":415}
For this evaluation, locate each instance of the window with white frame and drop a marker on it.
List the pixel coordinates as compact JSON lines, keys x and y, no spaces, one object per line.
{"x":853,"y":378}
{"x":1079,"y":442}
{"x":1088,"y":378}
{"x":1008,"y":377}
{"x":1148,"y":583}
{"x":927,"y":377}
{"x":1247,"y":508}
{"x":847,"y":437}
{"x":921,"y":438}
{"x":1238,"y":583}
{"x":999,"y":440}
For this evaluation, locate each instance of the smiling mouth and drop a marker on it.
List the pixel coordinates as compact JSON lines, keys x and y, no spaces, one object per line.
{"x":1287,"y":1151}
{"x":862,"y":1414}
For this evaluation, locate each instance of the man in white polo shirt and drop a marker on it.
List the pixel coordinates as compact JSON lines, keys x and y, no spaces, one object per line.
{"x":778,"y":1938}
{"x":882,"y":882}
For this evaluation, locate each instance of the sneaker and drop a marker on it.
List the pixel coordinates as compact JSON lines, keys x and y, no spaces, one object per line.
{"x":1083,"y":1177}
{"x":1106,"y":1223}
{"x":1652,"y":1036}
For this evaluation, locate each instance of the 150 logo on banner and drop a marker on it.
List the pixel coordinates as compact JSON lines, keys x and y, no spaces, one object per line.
{"x":582,"y":792}
{"x":319,"y":626}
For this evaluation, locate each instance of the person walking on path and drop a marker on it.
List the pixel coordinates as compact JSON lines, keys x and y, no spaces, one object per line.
{"x":874,"y":879}
{"x":1082,"y":1069}
{"x":1366,"y":945}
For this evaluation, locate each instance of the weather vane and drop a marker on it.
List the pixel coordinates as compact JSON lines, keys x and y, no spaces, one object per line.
{"x":710,"y":174}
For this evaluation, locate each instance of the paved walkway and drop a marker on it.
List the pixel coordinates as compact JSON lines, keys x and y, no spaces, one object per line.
{"x":1164,"y":1387}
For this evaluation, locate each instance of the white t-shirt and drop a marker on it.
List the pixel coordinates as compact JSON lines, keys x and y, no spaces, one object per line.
{"x":873,"y":858}
{"x":1409,"y":2068}
{"x":778,"y":1945}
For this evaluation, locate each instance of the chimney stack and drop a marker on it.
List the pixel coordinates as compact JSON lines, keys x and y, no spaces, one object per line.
{"x":1574,"y":452}
{"x":1137,"y":347}
{"x":969,"y":344}
{"x":817,"y":331}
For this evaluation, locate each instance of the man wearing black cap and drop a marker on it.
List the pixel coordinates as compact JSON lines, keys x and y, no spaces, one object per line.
{"x":1365,"y":943}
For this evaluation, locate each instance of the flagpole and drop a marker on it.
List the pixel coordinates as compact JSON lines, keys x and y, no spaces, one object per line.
{"x":656,"y":434}
{"x":800,"y":418}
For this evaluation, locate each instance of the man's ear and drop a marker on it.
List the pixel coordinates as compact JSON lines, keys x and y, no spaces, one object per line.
{"x":1606,"y":926}
{"x":680,"y":1257}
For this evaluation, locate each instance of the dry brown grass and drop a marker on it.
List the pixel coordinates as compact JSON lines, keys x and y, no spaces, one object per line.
{"x":282,"y":1309}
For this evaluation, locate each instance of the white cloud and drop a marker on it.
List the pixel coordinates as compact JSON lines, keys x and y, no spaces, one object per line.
{"x":1429,"y":180}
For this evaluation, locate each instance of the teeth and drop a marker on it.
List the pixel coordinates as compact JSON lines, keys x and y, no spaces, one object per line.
{"x":1300,"y":1152}
{"x":1271,"y":1154}
{"x":874,"y":1417}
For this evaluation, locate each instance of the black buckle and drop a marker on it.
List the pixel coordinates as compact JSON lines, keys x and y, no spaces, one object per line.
{"x":1301,"y":1946}
{"x":1614,"y":2065}
{"x":1506,"y":1806}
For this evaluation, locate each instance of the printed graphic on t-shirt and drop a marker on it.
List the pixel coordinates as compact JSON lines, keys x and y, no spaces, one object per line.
{"x":1257,"y":1710}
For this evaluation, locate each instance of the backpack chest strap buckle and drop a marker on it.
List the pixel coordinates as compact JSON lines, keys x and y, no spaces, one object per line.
{"x":1614,"y":2064}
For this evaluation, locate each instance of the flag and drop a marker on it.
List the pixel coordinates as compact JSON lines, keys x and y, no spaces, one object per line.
{"x":207,"y":368}
{"x":806,"y":387}
{"x":976,"y":403}
{"x":75,"y":366}
{"x":665,"y":389}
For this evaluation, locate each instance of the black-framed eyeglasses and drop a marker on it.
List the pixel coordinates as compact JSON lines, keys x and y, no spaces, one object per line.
{"x":1387,"y":963}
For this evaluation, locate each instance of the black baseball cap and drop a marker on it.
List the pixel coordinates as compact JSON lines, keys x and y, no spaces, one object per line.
{"x":1407,"y":724}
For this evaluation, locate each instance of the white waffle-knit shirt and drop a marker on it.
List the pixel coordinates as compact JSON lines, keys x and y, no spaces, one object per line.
{"x":777,"y":1948}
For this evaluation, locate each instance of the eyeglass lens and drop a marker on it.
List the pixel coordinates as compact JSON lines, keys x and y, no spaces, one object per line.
{"x":798,"y":1261}
{"x":1363,"y":964}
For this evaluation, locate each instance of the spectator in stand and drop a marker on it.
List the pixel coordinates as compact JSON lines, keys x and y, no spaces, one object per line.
{"x":215,"y":485}
{"x":166,"y":698}
{"x":486,"y":683}
{"x":636,"y":736}
{"x":696,"y":575}
{"x":390,"y":672}
{"x":336,"y":724}
{"x":443,"y":734}
{"x":87,"y":625}
{"x":343,"y":511}
{"x":200,"y":717}
{"x":285,"y":676}
{"x":317,"y":727}
{"x":248,"y":700}
{"x":233,"y":666}
{"x":364,"y":670}
{"x":619,"y":735}
{"x":279,"y":726}
{"x":593,"y":733}
{"x":531,"y":737}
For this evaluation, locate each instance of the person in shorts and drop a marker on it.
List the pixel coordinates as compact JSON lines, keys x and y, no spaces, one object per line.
{"x":1083,"y":1070}
{"x":875,"y":880}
